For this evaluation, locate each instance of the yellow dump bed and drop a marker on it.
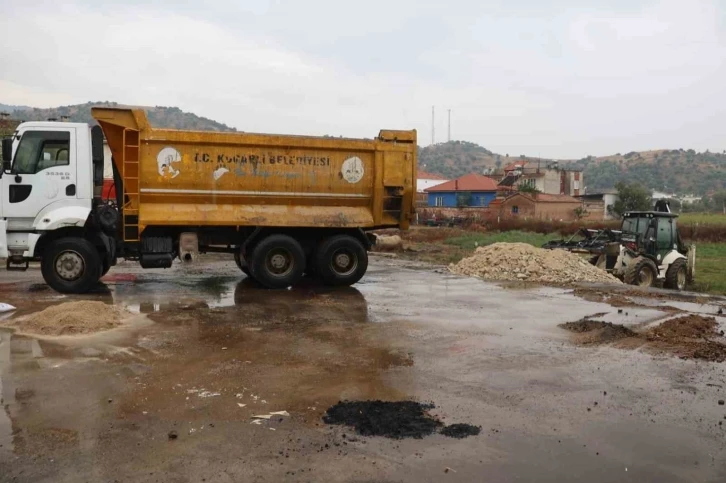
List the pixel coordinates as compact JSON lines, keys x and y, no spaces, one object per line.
{"x":192,"y":178}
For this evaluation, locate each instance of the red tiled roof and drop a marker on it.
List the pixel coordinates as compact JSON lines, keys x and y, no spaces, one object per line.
{"x":421,"y":174}
{"x":517,"y":164}
{"x":468,"y":182}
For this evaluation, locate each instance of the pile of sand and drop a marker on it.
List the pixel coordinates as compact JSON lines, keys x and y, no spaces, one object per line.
{"x":82,"y":317}
{"x":520,"y":261}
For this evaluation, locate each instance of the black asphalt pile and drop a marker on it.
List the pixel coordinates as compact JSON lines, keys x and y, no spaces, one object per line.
{"x":397,"y":420}
{"x":460,"y":430}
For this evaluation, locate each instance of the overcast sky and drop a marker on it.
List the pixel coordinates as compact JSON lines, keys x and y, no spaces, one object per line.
{"x":552,"y":78}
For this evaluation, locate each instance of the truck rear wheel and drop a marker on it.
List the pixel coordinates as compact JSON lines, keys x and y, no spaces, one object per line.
{"x":71,"y":265}
{"x":641,"y":272}
{"x":341,"y":260}
{"x":676,"y":275}
{"x":242,"y":264}
{"x":277,"y":261}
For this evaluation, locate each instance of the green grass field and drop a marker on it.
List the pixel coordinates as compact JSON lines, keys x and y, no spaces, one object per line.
{"x":472,"y":240}
{"x":703,"y":218}
{"x":711,"y":268}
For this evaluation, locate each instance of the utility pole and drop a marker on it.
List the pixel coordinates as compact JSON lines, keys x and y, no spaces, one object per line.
{"x":433,"y":129}
{"x":449,"y":125}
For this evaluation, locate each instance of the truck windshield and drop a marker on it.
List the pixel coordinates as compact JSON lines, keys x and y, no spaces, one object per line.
{"x":636,"y":225}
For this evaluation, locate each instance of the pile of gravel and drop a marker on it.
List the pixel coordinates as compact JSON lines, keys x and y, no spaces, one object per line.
{"x":520,"y":261}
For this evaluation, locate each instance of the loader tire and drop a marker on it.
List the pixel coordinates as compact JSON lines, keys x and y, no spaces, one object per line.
{"x":277,"y":261}
{"x":242,"y":264}
{"x":641,"y":272}
{"x":71,"y":265}
{"x":677,"y":275}
{"x":341,"y":260}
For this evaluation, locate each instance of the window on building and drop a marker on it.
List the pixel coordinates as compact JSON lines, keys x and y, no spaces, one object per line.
{"x":576,"y":185}
{"x":41,"y":150}
{"x":515,"y":209}
{"x":439,"y":201}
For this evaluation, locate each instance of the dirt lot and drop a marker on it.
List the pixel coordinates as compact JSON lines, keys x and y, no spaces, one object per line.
{"x":213,"y":379}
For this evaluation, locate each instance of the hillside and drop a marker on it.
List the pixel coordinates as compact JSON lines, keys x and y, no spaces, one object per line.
{"x":159,"y":116}
{"x":672,"y":171}
{"x":457,"y":158}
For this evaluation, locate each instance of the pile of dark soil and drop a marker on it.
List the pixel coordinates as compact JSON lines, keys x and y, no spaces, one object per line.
{"x":688,"y":337}
{"x":397,"y":420}
{"x":401,"y":419}
{"x":460,"y":430}
{"x":598,"y":332}
{"x":689,"y":327}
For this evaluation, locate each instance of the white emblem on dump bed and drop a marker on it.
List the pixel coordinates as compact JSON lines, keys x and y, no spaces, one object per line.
{"x":352,"y":169}
{"x":165,"y":160}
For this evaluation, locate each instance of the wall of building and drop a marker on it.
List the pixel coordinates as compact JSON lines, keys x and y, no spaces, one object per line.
{"x":450,"y":199}
{"x":564,"y":211}
{"x":518,"y":206}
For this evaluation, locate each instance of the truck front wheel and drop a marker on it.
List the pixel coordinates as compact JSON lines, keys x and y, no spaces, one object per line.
{"x":341,"y":260}
{"x":277,"y":261}
{"x":71,"y":265}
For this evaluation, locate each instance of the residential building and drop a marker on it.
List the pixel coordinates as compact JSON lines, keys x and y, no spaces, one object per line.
{"x":539,"y":206}
{"x":598,"y":205}
{"x":467,"y":191}
{"x":425,"y":180}
{"x":545,"y":177}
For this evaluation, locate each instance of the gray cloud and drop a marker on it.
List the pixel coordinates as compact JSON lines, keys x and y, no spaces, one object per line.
{"x":556,"y":79}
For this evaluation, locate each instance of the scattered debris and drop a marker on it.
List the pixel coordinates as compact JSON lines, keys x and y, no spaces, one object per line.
{"x":388,"y":243}
{"x":447,"y":469}
{"x":273,"y":413}
{"x":520,"y":261}
{"x":241,"y":405}
{"x":173,"y":435}
{"x":6,"y":307}
{"x":460,"y":430}
{"x":69,"y":318}
{"x":720,"y":402}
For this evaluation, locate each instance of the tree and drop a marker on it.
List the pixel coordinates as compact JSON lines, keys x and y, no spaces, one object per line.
{"x":632,"y":197}
{"x":527,"y":188}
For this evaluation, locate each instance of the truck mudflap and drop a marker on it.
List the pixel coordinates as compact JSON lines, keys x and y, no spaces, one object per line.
{"x":3,"y":239}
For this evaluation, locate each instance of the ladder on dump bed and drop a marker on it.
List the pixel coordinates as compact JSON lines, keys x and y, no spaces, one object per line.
{"x":130,"y":173}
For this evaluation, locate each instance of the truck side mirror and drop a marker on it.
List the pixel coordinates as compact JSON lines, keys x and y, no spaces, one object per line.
{"x":7,"y":154}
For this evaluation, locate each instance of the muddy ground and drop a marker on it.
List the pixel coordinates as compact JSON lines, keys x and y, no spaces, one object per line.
{"x":171,"y":395}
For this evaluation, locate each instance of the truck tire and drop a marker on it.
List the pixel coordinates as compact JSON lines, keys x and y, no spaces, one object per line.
{"x":677,"y":275}
{"x":341,"y":260}
{"x":71,"y":265}
{"x":641,"y":272}
{"x":105,"y":267}
{"x":278,"y":261}
{"x":242,"y":264}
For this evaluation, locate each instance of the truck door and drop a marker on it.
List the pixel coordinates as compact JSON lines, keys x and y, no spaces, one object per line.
{"x":43,"y":172}
{"x":665,"y":237}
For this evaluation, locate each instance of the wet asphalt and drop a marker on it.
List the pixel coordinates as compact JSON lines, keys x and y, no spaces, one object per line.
{"x":205,"y":350}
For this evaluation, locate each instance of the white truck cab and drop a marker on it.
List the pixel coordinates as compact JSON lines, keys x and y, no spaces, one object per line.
{"x":47,"y":192}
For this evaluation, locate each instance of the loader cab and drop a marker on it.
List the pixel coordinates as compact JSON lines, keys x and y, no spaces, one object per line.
{"x":651,"y":233}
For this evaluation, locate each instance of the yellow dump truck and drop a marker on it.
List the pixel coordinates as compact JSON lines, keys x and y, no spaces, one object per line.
{"x":284,"y":206}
